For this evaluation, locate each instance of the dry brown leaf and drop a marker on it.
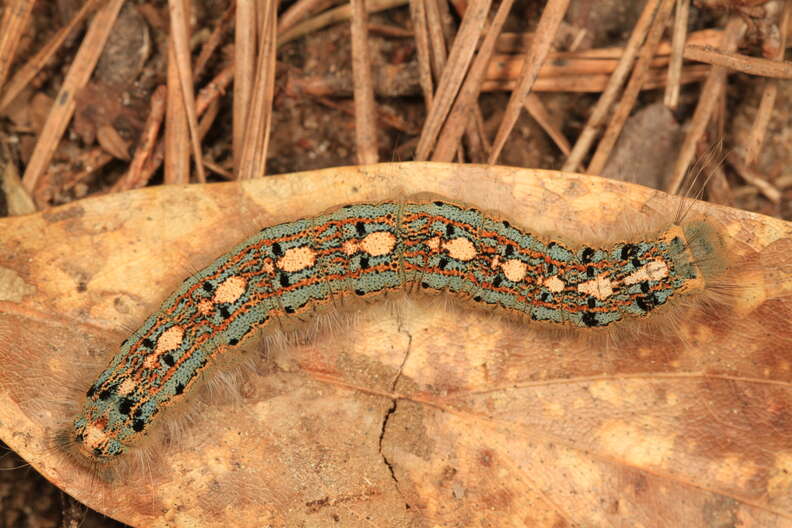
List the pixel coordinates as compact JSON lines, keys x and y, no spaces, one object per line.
{"x":112,"y":142}
{"x":424,"y":416}
{"x":17,"y":199}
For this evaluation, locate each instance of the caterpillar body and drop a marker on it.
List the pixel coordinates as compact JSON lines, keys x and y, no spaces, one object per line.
{"x":294,"y":270}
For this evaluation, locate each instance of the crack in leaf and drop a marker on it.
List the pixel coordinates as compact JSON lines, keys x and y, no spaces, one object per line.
{"x":392,"y":409}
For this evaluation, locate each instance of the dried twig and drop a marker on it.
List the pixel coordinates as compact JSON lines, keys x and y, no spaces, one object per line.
{"x":447,"y":24}
{"x":398,"y":80}
{"x":677,"y":48}
{"x":594,"y":83}
{"x":466,"y":102}
{"x":181,"y":49}
{"x":334,"y":16}
{"x":478,"y":146}
{"x":15,"y":19}
{"x":300,"y":10}
{"x":754,"y":178}
{"x":453,"y":74}
{"x":205,"y":98}
{"x":213,"y":42}
{"x":538,"y":111}
{"x":253,"y":161}
{"x":546,"y":30}
{"x":389,"y":30}
{"x":737,"y":62}
{"x":765,"y":111}
{"x":510,"y":66}
{"x":365,"y":111}
{"x":244,"y":73}
{"x":418,"y":14}
{"x":76,"y":78}
{"x":718,"y":189}
{"x":511,"y":43}
{"x":33,"y":66}
{"x":177,"y":134}
{"x":205,"y":123}
{"x":133,"y":179}
{"x":710,"y":94}
{"x":17,"y":197}
{"x":631,"y":91}
{"x":213,"y":89}
{"x":600,"y":113}
{"x":437,"y":42}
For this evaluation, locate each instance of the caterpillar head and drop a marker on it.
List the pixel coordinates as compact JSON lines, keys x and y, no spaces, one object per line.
{"x":107,"y":423}
{"x":95,"y":440}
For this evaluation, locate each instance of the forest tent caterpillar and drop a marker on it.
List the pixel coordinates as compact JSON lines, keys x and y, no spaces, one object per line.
{"x":294,"y":270}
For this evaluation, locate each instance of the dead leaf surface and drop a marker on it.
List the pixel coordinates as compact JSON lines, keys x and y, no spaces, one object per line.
{"x":418,"y":414}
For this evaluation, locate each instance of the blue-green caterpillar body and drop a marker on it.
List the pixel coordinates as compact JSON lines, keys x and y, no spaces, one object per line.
{"x":289,"y":271}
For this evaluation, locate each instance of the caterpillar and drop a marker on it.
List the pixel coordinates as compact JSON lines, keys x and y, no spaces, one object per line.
{"x":294,"y":270}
